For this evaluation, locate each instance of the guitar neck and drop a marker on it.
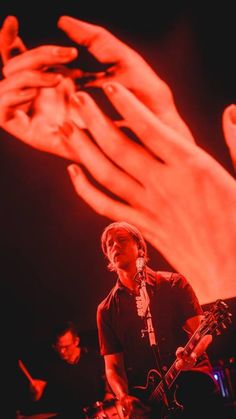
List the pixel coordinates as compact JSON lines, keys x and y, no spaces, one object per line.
{"x":217,"y":318}
{"x":173,"y":372}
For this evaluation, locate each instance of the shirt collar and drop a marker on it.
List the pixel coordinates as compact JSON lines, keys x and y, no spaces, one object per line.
{"x":151,"y":279}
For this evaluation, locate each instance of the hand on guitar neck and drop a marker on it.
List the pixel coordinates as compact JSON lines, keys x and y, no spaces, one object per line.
{"x":185,"y":360}
{"x":37,"y":386}
{"x":213,"y":322}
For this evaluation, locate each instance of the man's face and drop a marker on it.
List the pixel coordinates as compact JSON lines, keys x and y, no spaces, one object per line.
{"x":122,"y":249}
{"x":66,"y":347}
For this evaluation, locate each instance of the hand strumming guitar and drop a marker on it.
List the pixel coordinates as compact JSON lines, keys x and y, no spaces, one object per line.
{"x":132,"y":407}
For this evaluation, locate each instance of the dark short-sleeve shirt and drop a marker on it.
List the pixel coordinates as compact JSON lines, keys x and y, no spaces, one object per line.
{"x":71,"y":387}
{"x":120,"y":329}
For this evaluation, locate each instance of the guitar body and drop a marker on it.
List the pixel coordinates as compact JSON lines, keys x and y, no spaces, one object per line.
{"x":159,"y":409}
{"x":144,"y":392}
{"x":153,"y":392}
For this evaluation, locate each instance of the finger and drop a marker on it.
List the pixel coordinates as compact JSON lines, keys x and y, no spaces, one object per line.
{"x":55,"y":98}
{"x":129,"y":155}
{"x":50,"y":140}
{"x":9,"y":31}
{"x":179,"y":352}
{"x":101,"y":43}
{"x":102,"y":204}
{"x":17,"y":47}
{"x":229,"y":129}
{"x":10,"y":100}
{"x":10,"y":43}
{"x":129,"y":68}
{"x":162,"y":140}
{"x":194,"y":357}
{"x":96,"y":79}
{"x":73,"y":73}
{"x":104,"y":171}
{"x":179,"y":364}
{"x":39,"y":57}
{"x":29,"y":79}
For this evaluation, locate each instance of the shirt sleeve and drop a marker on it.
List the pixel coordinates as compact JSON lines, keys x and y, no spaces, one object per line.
{"x":185,"y":298}
{"x":108,"y":340}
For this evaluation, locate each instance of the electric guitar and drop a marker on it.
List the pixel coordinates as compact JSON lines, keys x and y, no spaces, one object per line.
{"x":213,"y":322}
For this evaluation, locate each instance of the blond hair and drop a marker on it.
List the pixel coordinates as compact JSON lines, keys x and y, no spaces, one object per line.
{"x":134,"y":233}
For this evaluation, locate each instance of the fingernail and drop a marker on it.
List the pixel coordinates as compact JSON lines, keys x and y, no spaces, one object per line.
{"x":109,"y":88}
{"x":73,"y":170}
{"x":64,"y":52}
{"x":78,"y":99}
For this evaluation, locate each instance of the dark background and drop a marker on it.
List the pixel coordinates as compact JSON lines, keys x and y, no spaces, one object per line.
{"x":51,"y":265}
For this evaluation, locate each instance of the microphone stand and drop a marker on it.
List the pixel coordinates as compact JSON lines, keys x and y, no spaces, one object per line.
{"x":172,"y":406}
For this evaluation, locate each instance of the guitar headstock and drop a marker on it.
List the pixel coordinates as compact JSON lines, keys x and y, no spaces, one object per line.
{"x":216,"y":319}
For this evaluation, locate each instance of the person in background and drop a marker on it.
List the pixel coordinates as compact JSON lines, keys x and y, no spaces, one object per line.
{"x":71,"y":379}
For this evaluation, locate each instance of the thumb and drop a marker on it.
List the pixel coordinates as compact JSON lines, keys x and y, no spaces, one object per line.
{"x":229,"y":130}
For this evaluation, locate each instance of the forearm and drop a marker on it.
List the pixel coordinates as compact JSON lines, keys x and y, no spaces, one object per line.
{"x":118,"y":381}
{"x":130,"y":405}
{"x":203,"y":345}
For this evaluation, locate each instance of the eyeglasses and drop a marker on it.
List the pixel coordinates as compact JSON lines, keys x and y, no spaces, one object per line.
{"x":60,"y":348}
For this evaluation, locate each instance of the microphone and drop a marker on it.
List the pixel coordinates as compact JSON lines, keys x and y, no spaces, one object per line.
{"x":140,"y":262}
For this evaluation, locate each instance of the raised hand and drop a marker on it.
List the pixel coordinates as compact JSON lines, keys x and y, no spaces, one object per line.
{"x":41,"y":123}
{"x":34,"y":99}
{"x":125,"y":66}
{"x":34,"y":102}
{"x":172,"y":190}
{"x":44,"y":120}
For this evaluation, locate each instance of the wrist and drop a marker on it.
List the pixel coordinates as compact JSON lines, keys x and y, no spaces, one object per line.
{"x":194,"y":357}
{"x":121,"y":396}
